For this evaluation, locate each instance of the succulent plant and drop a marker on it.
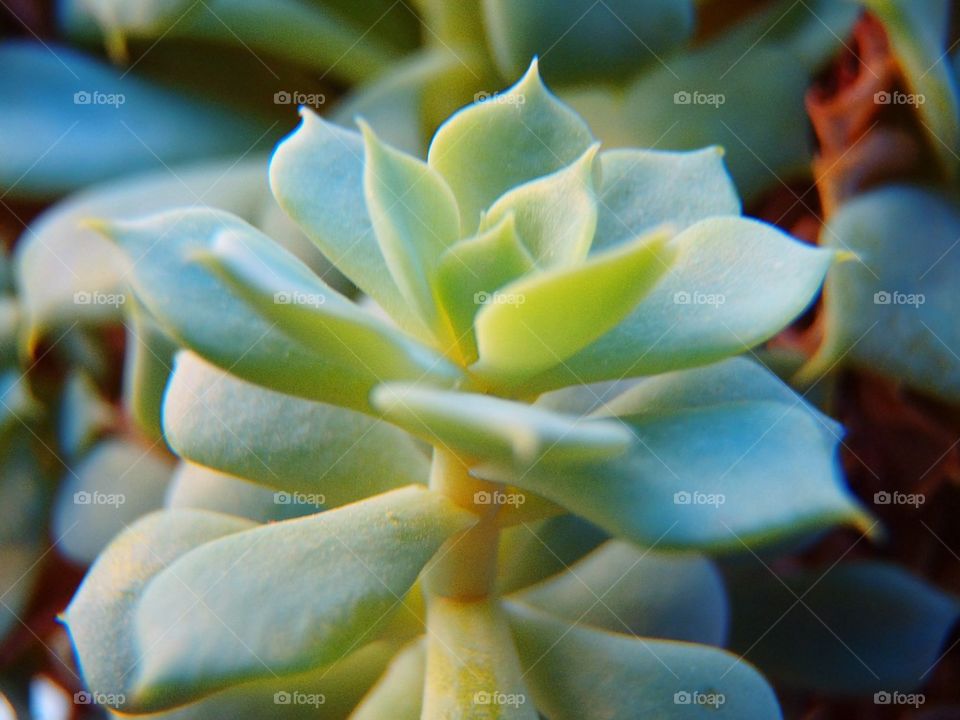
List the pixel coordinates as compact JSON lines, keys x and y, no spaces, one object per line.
{"x":520,"y":281}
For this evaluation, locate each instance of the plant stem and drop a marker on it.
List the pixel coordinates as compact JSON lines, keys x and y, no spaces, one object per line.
{"x":465,"y":568}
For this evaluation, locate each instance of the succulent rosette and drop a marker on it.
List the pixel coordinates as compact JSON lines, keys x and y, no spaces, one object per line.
{"x":544,"y":370}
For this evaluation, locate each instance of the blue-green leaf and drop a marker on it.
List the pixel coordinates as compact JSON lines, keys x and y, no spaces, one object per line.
{"x":576,"y":672}
{"x":894,"y":309}
{"x":620,"y":588}
{"x":853,"y":629}
{"x":284,"y":442}
{"x":720,"y":460}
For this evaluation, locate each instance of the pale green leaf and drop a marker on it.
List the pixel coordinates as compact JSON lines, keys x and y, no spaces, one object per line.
{"x":539,"y":321}
{"x":494,"y":145}
{"x":334,"y":214}
{"x":472,"y":667}
{"x":472,"y":271}
{"x":272,"y":617}
{"x":414,"y":217}
{"x":283,"y":442}
{"x":148,"y":361}
{"x":399,"y":693}
{"x":282,"y":289}
{"x":101,"y":615}
{"x":482,"y":426}
{"x":556,"y":215}
{"x":697,"y":315}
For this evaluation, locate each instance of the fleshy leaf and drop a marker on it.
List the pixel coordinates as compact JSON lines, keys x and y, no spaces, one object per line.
{"x":894,"y":310}
{"x":492,"y":146}
{"x":147,"y":364}
{"x":196,"y":308}
{"x":334,"y":214}
{"x":200,"y":488}
{"x":533,"y":551}
{"x":399,"y":693}
{"x":69,"y":120}
{"x":707,"y":469}
{"x":576,"y":672}
{"x":586,"y":41}
{"x":472,"y":667}
{"x":696,"y":315}
{"x":857,"y":628}
{"x":284,"y":442}
{"x":539,"y":321}
{"x":274,"y":618}
{"x":556,"y":215}
{"x":645,"y":189}
{"x":281,"y":288}
{"x":101,"y":615}
{"x":623,"y":589}
{"x":473,"y":270}
{"x":114,"y":484}
{"x":919,"y":31}
{"x":489,"y":427}
{"x":415,"y":219}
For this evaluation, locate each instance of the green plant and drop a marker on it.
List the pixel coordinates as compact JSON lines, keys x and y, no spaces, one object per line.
{"x":530,"y":278}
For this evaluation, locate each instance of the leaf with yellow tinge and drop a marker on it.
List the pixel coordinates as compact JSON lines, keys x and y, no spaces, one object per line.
{"x":398,"y":694}
{"x":492,"y":146}
{"x":541,"y":320}
{"x":472,"y":667}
